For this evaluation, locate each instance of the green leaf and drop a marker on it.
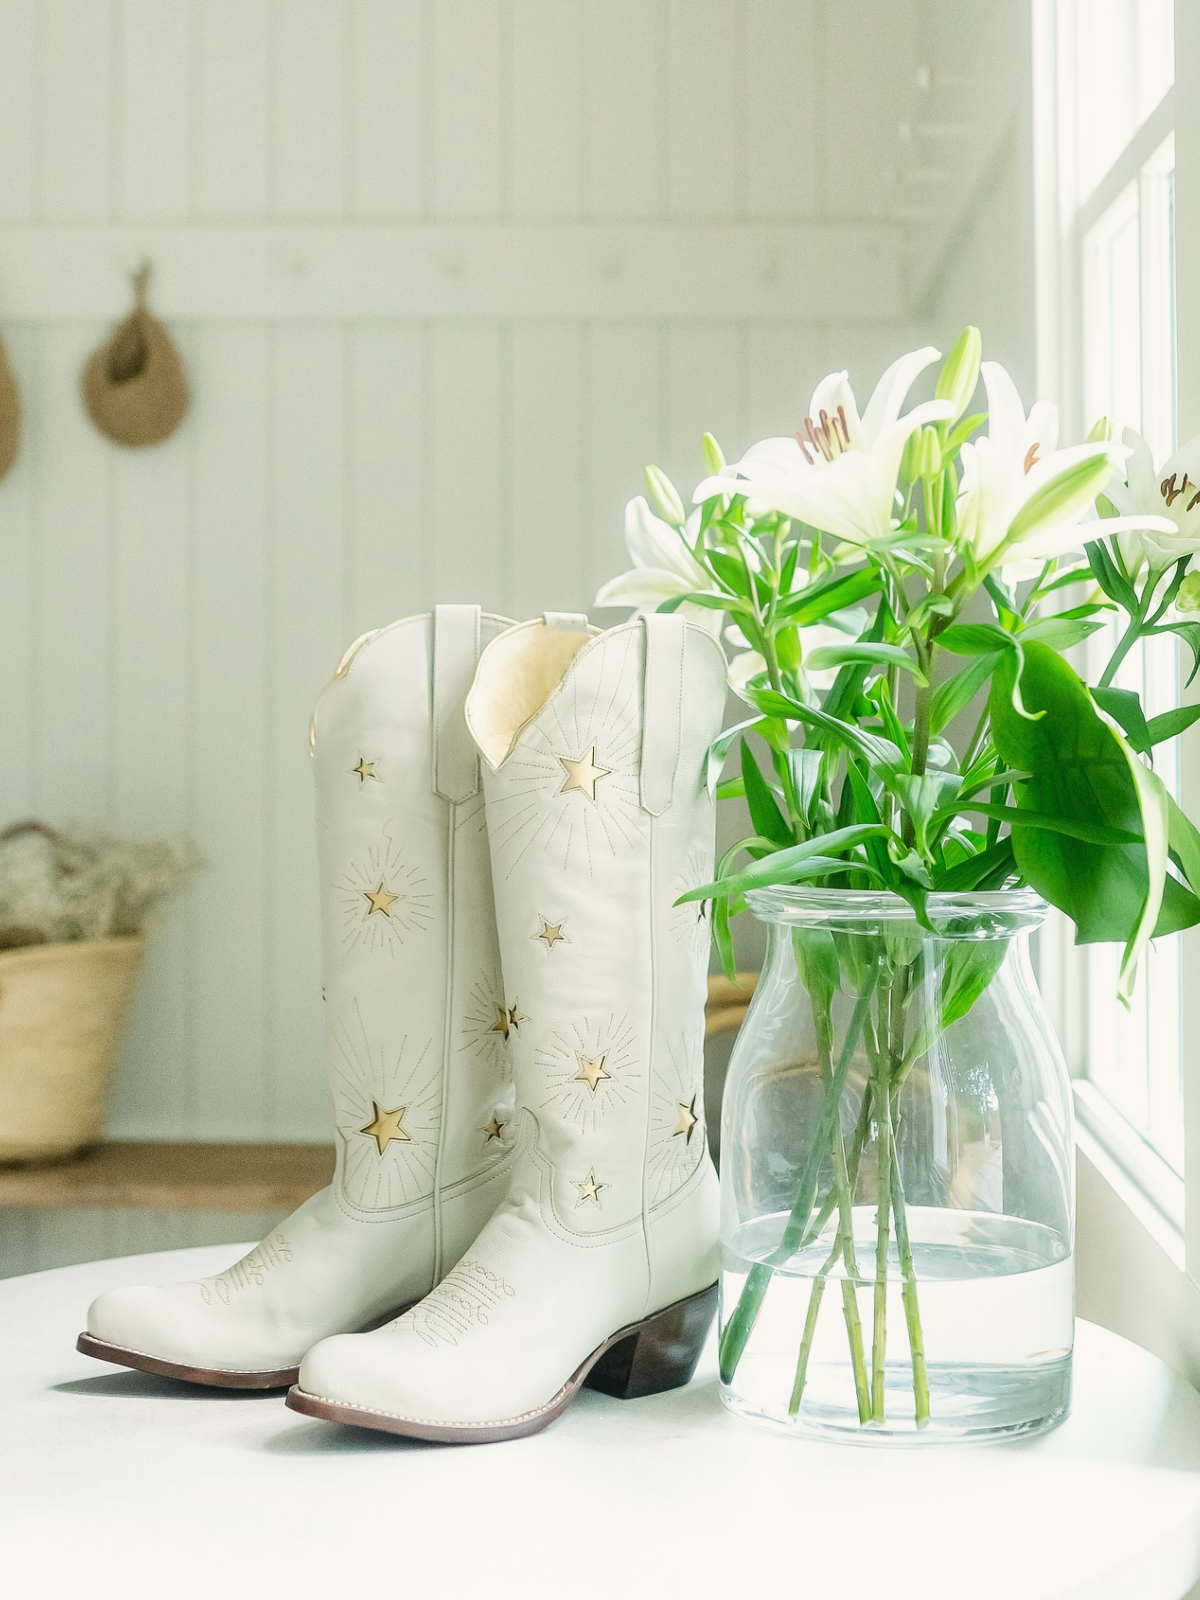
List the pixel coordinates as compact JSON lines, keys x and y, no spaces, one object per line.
{"x":765,"y":814}
{"x":1189,"y":632}
{"x":956,"y":693}
{"x":1184,"y":841}
{"x":1109,"y":576}
{"x":730,"y":572}
{"x":1125,"y":707}
{"x":882,"y":655}
{"x":881,"y":754}
{"x":718,"y":750}
{"x":787,"y":866}
{"x":722,"y":910}
{"x":1062,"y":632}
{"x":1070,"y":827}
{"x":970,"y":874}
{"x":963,"y":432}
{"x":1083,"y":773}
{"x":1167,"y":726}
{"x":834,"y":594}
{"x":1061,"y":580}
{"x":975,"y":639}
{"x":710,"y":602}
{"x":921,"y":796}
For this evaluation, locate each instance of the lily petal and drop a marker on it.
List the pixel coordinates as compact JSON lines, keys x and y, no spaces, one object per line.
{"x":883,"y":408}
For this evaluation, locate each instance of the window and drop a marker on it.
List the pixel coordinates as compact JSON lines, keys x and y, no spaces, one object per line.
{"x":1114,"y":150}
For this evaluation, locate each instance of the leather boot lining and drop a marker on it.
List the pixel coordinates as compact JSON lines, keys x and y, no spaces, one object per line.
{"x":517,"y":674}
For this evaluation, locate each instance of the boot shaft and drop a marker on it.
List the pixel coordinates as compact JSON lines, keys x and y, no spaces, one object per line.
{"x":595,"y":751}
{"x":418,"y":1064}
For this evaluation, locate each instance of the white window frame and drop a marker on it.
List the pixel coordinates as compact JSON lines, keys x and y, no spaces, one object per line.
{"x":1139,"y":1224}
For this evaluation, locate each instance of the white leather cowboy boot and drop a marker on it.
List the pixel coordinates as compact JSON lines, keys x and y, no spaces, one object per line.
{"x":419,"y":1033}
{"x":601,"y":1264}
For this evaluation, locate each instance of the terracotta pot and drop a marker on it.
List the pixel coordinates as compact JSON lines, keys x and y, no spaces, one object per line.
{"x":62,"y":1011}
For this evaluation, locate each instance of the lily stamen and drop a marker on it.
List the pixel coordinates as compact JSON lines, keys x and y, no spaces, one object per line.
{"x":1031,"y":455}
{"x":1171,"y":493}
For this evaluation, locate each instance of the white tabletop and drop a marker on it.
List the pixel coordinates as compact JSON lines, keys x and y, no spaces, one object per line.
{"x":117,"y":1483}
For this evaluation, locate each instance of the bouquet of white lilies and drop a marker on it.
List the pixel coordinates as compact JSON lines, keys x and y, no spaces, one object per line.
{"x":852,"y":561}
{"x":900,"y":590}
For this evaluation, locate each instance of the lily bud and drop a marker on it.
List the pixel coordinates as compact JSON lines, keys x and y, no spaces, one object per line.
{"x":714,"y":456}
{"x":1102,"y":432}
{"x":960,"y":371}
{"x":1188,"y":597}
{"x":665,"y":497}
{"x":927,"y":455}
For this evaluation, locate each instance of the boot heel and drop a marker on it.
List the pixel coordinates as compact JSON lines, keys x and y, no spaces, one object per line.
{"x":660,"y":1354}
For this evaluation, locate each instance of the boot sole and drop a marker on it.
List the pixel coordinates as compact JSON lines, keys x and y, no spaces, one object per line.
{"x":211,"y":1377}
{"x":648,"y":1357}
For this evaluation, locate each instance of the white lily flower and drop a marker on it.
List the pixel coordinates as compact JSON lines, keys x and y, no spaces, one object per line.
{"x":663,"y":567}
{"x":1002,"y":472}
{"x":839,"y":472}
{"x":1159,"y":510}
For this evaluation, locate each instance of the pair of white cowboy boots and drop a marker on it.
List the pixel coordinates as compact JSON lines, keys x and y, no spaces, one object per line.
{"x":515,"y":1014}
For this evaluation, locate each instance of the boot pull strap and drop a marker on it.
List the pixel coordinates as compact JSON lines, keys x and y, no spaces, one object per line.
{"x":455,"y":653}
{"x":567,"y":621}
{"x":662,"y":709}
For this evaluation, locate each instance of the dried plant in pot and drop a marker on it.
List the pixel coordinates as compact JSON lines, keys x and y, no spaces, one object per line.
{"x":73,"y":909}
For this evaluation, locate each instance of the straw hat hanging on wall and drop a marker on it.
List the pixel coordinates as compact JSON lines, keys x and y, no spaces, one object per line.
{"x":10,"y":415}
{"x":133,"y":386}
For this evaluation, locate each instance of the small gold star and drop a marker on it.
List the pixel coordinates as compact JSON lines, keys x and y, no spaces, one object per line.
{"x":550,"y":933}
{"x":589,"y":1189}
{"x":516,"y":1016}
{"x":494,"y":1129}
{"x":365,"y":769}
{"x":591,"y":1070}
{"x":386,"y":1126}
{"x":583,"y":774}
{"x":687,"y":1120}
{"x":502,"y":1023}
{"x":380,"y":899}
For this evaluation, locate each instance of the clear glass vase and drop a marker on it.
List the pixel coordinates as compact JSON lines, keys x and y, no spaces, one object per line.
{"x":897,"y":1175}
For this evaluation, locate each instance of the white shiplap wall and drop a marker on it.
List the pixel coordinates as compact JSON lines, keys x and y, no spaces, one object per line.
{"x":445,"y":274}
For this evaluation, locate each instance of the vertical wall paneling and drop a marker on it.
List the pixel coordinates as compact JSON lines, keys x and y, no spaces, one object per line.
{"x":231,"y":748}
{"x":233,"y":106}
{"x":623,"y":111}
{"x":549,"y":543}
{"x":783,"y":111}
{"x":148,"y":651}
{"x":75,"y":81}
{"x":706,"y":103}
{"x":623,"y":428}
{"x":546,"y":99}
{"x":168,"y":616}
{"x":705,"y":395}
{"x":387,"y":542}
{"x":467,"y":122}
{"x":309,"y":135}
{"x":153,"y":133}
{"x":18,"y":509}
{"x":469,"y":448}
{"x":19,"y":69}
{"x":385,"y":107}
{"x":72,"y":619}
{"x":305,"y":621}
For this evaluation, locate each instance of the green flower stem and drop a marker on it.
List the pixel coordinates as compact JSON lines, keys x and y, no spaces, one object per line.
{"x":859,"y":1144}
{"x":810,"y":1327}
{"x":882,"y":1245}
{"x":912,"y":1313}
{"x":740,"y":1325}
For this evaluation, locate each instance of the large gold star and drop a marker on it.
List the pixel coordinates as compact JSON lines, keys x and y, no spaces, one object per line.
{"x":386,"y":1126}
{"x":380,"y":899}
{"x":550,"y":933}
{"x":365,"y":769}
{"x":589,"y":1188}
{"x":494,"y":1128}
{"x":583,"y":774}
{"x":687,"y":1120}
{"x":502,"y":1023}
{"x":591,"y":1070}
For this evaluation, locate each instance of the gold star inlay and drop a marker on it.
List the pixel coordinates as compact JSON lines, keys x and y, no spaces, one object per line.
{"x":502,"y":1023}
{"x":589,"y":1188}
{"x":550,"y":933}
{"x":687,"y":1120}
{"x":380,"y":899}
{"x":386,"y":1126}
{"x":591,"y":1070}
{"x":365,"y":769}
{"x":516,"y":1016}
{"x":583,"y":774}
{"x":494,"y":1129}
